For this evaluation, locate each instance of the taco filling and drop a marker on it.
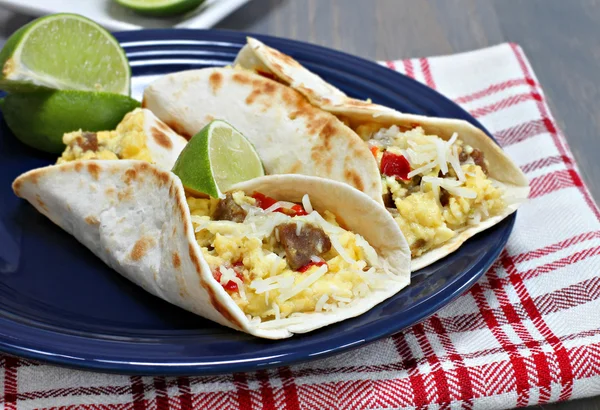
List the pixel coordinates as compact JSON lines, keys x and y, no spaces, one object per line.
{"x":127,"y":141}
{"x":434,"y":188}
{"x":276,"y":259}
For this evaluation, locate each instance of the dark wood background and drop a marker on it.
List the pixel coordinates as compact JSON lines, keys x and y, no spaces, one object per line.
{"x":560,"y":37}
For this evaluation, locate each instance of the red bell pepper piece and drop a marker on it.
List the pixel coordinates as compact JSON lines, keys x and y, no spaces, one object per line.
{"x":374,"y":151}
{"x":265,"y":202}
{"x":230,"y":286}
{"x":394,"y":165}
{"x":310,"y":264}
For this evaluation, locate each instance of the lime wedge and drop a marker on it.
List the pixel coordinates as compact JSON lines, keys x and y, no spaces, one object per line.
{"x":161,"y":8}
{"x":216,"y":158}
{"x":40,"y":119}
{"x":64,"y":52}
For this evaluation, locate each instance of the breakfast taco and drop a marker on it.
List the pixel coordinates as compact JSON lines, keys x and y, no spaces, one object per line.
{"x":289,"y":134}
{"x":272,"y":257}
{"x":444,"y":180}
{"x":139,"y":136}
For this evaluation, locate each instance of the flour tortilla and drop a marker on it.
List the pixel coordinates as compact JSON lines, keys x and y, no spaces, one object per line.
{"x":134,"y":217}
{"x":262,"y":59}
{"x":164,"y":144}
{"x":258,"y":57}
{"x":289,"y":134}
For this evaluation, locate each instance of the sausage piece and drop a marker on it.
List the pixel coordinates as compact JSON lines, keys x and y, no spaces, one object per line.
{"x":229,"y":210}
{"x":416,"y":246}
{"x":89,"y":142}
{"x":444,"y":197}
{"x":388,"y":200}
{"x":479,"y":159}
{"x":299,"y":248}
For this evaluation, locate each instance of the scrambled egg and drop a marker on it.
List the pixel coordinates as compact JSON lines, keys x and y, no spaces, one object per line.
{"x":488,"y":200}
{"x":426,"y":219}
{"x":366,"y":130}
{"x":224,"y":243}
{"x":422,"y":222}
{"x":128,"y":141}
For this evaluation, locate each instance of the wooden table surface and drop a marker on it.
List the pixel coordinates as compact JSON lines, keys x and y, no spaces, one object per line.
{"x":560,"y":37}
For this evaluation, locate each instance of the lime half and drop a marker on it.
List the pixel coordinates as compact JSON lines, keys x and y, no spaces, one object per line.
{"x":161,"y":8}
{"x":216,"y":158}
{"x":40,"y":119}
{"x":64,"y":52}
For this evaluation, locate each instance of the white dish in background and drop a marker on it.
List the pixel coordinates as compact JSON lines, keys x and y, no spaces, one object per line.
{"x":115,"y":17}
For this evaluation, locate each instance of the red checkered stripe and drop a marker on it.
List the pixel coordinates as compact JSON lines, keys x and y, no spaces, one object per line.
{"x":528,"y":363}
{"x":539,"y":369}
{"x":367,"y":391}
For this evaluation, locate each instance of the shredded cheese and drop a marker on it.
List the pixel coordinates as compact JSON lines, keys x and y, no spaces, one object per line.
{"x":369,"y":279}
{"x":422,"y":170}
{"x":342,"y":299}
{"x":279,"y":204}
{"x":362,"y":289}
{"x":451,"y":185}
{"x":455,"y":162}
{"x":335,"y":242}
{"x":272,"y":283}
{"x":476,"y":218}
{"x":240,"y":286}
{"x":227,"y":274}
{"x":321,"y":302}
{"x":274,"y":263}
{"x":306,"y":204}
{"x":442,"y":158}
{"x":298,"y":228}
{"x":274,"y":324}
{"x":309,"y":280}
{"x":484,"y":209}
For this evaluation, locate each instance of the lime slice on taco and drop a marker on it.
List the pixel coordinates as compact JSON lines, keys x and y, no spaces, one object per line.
{"x":216,"y":158}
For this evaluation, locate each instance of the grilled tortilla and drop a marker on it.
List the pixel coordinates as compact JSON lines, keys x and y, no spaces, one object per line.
{"x":444,"y":180}
{"x":289,"y":134}
{"x":246,"y":261}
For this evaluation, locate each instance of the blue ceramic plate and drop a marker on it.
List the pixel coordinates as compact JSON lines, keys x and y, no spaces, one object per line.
{"x":60,"y":304}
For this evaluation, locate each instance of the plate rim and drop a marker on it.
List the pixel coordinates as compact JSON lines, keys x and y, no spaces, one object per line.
{"x":443,"y":297}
